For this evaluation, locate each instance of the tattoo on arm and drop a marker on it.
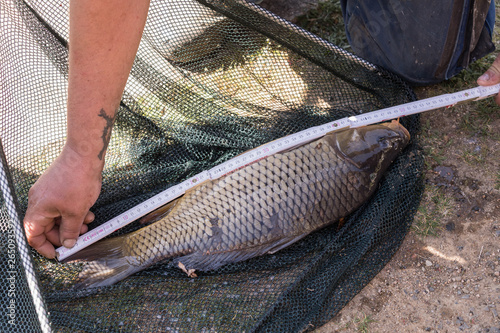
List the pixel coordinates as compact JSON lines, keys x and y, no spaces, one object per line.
{"x":106,"y":132}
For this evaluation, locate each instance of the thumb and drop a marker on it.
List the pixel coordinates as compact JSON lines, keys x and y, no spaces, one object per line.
{"x":69,"y":230}
{"x":492,"y":75}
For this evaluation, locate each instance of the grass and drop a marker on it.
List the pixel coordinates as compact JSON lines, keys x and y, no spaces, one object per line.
{"x":426,"y":224}
{"x":467,"y":77}
{"x":475,"y":156}
{"x":327,"y":22}
{"x":477,"y":121}
{"x":363,"y":323}
{"x":435,"y":206}
{"x":434,"y":145}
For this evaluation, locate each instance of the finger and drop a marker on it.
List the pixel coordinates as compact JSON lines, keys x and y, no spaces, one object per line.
{"x":492,"y":75}
{"x":53,"y":236}
{"x":35,"y":224}
{"x":69,"y":230}
{"x":89,"y":218}
{"x":42,"y":246}
{"x":57,"y":220}
{"x":47,"y":250}
{"x":84,"y":229}
{"x":39,"y":240}
{"x":497,"y":99}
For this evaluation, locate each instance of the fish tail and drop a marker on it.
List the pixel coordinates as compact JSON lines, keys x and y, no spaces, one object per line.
{"x":106,"y":264}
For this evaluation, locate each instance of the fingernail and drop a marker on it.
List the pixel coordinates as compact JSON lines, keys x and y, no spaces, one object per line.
{"x":484,"y":77}
{"x":69,"y":243}
{"x":49,"y":255}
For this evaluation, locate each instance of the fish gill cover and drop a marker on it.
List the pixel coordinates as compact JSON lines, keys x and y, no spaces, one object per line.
{"x":185,"y":109}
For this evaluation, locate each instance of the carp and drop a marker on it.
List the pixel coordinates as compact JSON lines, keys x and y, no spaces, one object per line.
{"x":258,"y":209}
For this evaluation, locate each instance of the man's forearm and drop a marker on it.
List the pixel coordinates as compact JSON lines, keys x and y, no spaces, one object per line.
{"x":104,"y":37}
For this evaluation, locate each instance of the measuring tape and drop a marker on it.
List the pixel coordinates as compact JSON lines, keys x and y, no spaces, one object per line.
{"x":273,"y":147}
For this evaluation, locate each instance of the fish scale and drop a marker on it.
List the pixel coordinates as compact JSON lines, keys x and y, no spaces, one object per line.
{"x":257,"y":209}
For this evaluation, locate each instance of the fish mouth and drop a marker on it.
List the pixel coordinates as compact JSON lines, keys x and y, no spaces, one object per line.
{"x":397,"y":127}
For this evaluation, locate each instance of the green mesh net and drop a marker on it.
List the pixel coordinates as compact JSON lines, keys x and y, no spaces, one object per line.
{"x":211,"y":80}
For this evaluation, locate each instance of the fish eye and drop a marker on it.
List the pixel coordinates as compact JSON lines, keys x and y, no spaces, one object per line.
{"x":384,"y":142}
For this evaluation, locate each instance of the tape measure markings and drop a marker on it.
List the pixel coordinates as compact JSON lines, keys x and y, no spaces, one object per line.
{"x":271,"y":148}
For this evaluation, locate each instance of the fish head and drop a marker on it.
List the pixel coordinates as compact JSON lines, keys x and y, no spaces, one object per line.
{"x":371,"y":148}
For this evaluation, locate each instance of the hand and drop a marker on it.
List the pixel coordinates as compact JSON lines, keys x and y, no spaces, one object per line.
{"x":59,"y":202}
{"x":491,"y":77}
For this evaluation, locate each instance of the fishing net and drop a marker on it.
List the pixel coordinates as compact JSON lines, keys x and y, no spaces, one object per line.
{"x":211,"y":80}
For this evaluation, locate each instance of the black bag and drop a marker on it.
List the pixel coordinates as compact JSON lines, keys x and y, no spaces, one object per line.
{"x":424,"y":41}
